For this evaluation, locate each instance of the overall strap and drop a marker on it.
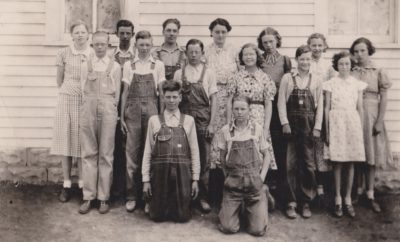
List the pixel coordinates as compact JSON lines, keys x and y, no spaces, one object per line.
{"x":133,"y":65}
{"x":232,"y":132}
{"x":90,"y":64}
{"x":183,"y":77}
{"x":294,"y":82}
{"x":253,"y":130}
{"x":202,"y":74}
{"x":181,"y":120}
{"x":309,"y":82}
{"x":153,"y":65}
{"x":109,"y":67}
{"x":181,"y":53}
{"x":162,"y":120}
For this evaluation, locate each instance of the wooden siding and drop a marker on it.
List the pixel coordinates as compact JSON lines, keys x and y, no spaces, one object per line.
{"x":27,"y":72}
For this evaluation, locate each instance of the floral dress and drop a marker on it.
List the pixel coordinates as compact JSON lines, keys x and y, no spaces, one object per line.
{"x":377,"y":147}
{"x":224,"y":62}
{"x":345,"y":130}
{"x":259,"y":88}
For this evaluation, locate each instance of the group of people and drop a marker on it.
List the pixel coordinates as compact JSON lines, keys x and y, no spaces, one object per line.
{"x":170,"y":127}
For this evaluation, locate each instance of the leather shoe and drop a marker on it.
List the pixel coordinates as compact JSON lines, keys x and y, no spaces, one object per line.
{"x":85,"y":207}
{"x":350,"y":210}
{"x":291,"y":212}
{"x":306,"y":212}
{"x":205,"y":207}
{"x":64,"y":194}
{"x":374,"y":205}
{"x":130,"y":205}
{"x":338,"y":211}
{"x":104,"y":207}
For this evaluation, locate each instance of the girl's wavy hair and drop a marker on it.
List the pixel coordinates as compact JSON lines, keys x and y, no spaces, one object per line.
{"x":259,"y":62}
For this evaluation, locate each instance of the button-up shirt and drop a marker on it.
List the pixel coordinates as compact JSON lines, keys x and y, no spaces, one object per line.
{"x":171,"y":120}
{"x":286,"y":88}
{"x":193,"y":74}
{"x":144,"y":67}
{"x":170,"y":57}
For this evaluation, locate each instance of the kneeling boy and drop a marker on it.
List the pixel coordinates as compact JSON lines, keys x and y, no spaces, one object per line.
{"x":100,"y":100}
{"x":171,"y":155}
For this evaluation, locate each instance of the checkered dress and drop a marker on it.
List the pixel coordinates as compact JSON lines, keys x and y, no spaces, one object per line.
{"x":66,"y":139}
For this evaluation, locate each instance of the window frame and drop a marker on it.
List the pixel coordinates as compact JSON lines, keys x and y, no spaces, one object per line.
{"x":55,"y":21}
{"x":344,"y":41}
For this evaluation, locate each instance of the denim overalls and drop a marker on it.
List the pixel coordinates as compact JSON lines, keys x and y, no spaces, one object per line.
{"x":196,"y":104}
{"x":243,"y":187}
{"x":171,"y":174}
{"x":98,"y":122}
{"x":141,"y":104}
{"x":300,"y":165}
{"x":119,"y":169}
{"x":170,"y":70}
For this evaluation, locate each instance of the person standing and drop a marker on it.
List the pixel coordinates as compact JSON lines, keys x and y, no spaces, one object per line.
{"x":71,"y":71}
{"x":100,"y":100}
{"x":377,"y":145}
{"x":141,"y":78}
{"x":123,"y":53}
{"x":222,"y":57}
{"x":199,"y":90}
{"x":300,"y":107}
{"x":344,"y":111}
{"x":275,"y":65}
{"x":171,"y":162}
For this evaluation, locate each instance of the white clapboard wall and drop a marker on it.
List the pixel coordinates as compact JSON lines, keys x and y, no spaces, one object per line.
{"x":27,"y":72}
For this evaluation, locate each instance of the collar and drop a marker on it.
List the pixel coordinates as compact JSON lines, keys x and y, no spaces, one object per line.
{"x":295,"y":73}
{"x":85,"y":52}
{"x":197,"y":68}
{"x":369,"y":65}
{"x":130,"y":51}
{"x":169,"y":114}
{"x":233,"y":126}
{"x":149,"y":59}
{"x":162,"y":48}
{"x":104,"y":60}
{"x":219,"y":49}
{"x":248,"y":74}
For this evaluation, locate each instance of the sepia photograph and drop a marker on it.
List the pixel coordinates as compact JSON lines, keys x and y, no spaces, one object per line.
{"x":200,"y":120}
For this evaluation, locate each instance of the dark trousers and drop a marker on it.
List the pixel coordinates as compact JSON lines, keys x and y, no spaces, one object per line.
{"x":300,"y":169}
{"x":204,"y":149}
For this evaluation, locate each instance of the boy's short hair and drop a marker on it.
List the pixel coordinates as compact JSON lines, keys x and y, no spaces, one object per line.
{"x":143,"y":34}
{"x":239,"y":97}
{"x":173,"y":21}
{"x":302,"y":50}
{"x":101,"y":33}
{"x":318,"y":36}
{"x":171,"y":86}
{"x":195,"y":42}
{"x":222,"y":22}
{"x":124,"y":23}
{"x":343,"y":54}
{"x":269,"y":31}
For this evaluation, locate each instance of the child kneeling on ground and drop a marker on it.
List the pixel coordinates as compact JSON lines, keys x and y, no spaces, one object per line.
{"x":100,"y":100}
{"x":241,"y":144}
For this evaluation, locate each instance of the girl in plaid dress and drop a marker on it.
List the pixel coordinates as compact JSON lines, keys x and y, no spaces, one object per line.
{"x":71,"y":69}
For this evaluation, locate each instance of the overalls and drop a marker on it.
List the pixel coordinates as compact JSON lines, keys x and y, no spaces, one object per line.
{"x":170,"y":70}
{"x":243,"y":187}
{"x":141,"y":104}
{"x":99,"y":119}
{"x":300,"y":166}
{"x":195,"y":103}
{"x":119,"y":170}
{"x":171,"y":174}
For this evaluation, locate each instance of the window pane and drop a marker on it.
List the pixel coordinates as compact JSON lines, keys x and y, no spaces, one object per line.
{"x":375,"y":17}
{"x":78,"y":9}
{"x":342,"y":17}
{"x":108,"y":14}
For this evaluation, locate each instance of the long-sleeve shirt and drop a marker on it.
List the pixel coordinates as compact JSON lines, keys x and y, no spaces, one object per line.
{"x":286,"y":88}
{"x":172,"y":120}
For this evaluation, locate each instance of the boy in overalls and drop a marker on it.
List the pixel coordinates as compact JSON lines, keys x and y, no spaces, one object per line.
{"x":123,"y":53}
{"x":171,"y":156}
{"x":241,"y":144}
{"x":300,"y":107}
{"x":199,"y":88}
{"x":141,"y":77}
{"x":100,"y":99}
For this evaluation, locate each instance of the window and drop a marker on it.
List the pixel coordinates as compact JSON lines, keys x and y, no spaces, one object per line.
{"x":98,"y":14}
{"x":345,"y":20}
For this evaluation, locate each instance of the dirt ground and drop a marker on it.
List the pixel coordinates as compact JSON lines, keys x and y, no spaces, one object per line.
{"x":33,"y":213}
